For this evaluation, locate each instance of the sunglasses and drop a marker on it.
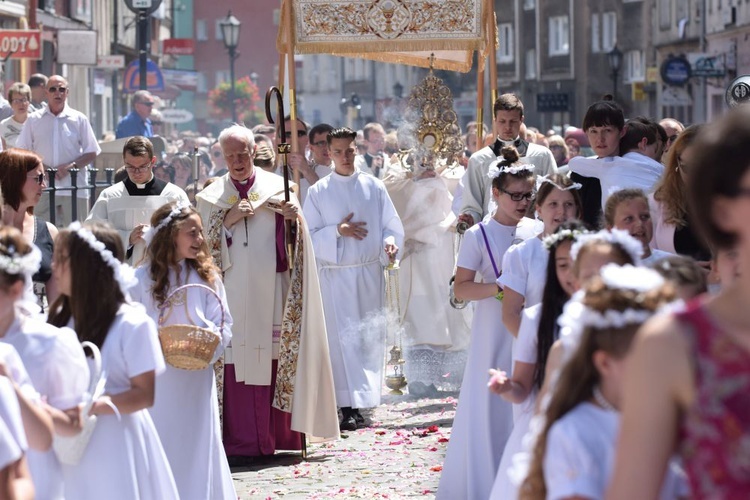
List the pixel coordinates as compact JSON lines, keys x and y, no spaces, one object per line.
{"x":217,"y":154}
{"x":147,"y":103}
{"x":62,"y":90}
{"x":300,"y":133}
{"x":39,"y":179}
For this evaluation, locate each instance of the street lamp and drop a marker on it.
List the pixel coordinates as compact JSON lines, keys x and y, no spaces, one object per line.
{"x":230,"y":30}
{"x":615,"y":60}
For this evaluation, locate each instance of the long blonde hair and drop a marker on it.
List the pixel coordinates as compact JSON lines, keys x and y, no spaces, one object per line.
{"x":579,"y":376}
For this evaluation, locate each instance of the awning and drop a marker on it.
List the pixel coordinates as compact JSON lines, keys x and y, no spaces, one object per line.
{"x":393,"y":31}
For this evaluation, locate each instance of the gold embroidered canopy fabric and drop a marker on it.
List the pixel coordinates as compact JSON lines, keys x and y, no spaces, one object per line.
{"x":396,"y":31}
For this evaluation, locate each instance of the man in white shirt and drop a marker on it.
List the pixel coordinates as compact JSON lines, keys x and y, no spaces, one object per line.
{"x":508,"y":111}
{"x":374,"y":161}
{"x":63,"y":137}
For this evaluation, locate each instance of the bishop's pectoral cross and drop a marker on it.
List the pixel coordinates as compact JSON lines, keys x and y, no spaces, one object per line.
{"x":259,"y":348}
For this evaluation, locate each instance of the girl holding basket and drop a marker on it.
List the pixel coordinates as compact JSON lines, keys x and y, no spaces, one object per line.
{"x":186,"y":411}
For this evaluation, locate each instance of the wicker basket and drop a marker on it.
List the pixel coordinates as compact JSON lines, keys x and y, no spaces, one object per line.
{"x":188,"y":347}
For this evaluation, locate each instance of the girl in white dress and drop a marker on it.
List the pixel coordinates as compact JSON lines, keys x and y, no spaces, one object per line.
{"x":574,"y":455}
{"x":525,"y":264}
{"x":536,"y":335}
{"x":483,"y":421}
{"x":186,"y":411}
{"x":15,"y":480}
{"x":124,"y":458}
{"x":52,"y":357}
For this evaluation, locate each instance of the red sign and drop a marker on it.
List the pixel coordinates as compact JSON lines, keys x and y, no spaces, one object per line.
{"x":179,"y":46}
{"x":21,"y":44}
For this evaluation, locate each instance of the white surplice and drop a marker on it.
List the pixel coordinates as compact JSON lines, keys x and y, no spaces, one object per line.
{"x":59,"y":373}
{"x":352,"y":280}
{"x":116,"y":206}
{"x":186,"y":410}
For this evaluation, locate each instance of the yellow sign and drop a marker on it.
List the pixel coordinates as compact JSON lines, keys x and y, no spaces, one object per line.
{"x":637,"y":91}
{"x":652,"y":74}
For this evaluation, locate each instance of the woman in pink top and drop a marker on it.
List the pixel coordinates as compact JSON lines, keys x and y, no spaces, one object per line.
{"x":687,"y":384}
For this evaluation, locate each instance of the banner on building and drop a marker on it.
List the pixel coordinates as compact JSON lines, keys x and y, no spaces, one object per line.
{"x":394,"y":31}
{"x":21,"y":44}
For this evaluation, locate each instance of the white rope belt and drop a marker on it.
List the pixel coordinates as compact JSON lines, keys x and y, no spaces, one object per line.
{"x":349,"y":266}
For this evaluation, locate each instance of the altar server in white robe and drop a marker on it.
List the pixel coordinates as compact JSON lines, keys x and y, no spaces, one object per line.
{"x":124,"y":459}
{"x":128,"y":205}
{"x":186,"y":410}
{"x":52,"y":356}
{"x":355,"y":231}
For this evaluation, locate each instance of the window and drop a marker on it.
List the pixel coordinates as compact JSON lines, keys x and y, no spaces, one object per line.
{"x":596,"y":34}
{"x":559,"y":44}
{"x":531,"y":63}
{"x":529,"y":4}
{"x":201,"y":30}
{"x":665,"y":14}
{"x":507,"y":47}
{"x":201,"y":87}
{"x":609,"y":31}
{"x":635,"y":70}
{"x":219,"y":33}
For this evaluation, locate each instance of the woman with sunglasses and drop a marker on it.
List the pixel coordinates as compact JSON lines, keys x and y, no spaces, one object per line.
{"x":484,"y":422}
{"x":22,"y":181}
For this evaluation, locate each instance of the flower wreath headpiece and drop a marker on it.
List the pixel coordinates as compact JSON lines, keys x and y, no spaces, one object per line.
{"x":15,"y":263}
{"x":503,"y":167}
{"x":563,"y":234}
{"x":632,"y":246}
{"x":545,"y":178}
{"x":124,"y":274}
{"x":150,"y":232}
{"x":576,"y":317}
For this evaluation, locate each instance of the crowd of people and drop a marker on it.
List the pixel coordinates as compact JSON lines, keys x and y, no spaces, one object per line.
{"x":605,"y":342}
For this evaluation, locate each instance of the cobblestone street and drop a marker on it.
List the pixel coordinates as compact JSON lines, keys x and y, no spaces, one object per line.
{"x":399,"y":455}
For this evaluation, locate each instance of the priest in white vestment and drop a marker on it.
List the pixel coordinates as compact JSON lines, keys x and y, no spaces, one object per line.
{"x":355,"y":231}
{"x":128,"y":205}
{"x":243,"y":216}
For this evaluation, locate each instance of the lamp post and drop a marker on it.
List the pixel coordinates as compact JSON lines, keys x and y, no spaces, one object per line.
{"x":230,"y":30}
{"x":615,"y":60}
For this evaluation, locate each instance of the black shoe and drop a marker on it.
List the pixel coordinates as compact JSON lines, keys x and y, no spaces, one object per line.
{"x":359,"y":419}
{"x":348,"y":423}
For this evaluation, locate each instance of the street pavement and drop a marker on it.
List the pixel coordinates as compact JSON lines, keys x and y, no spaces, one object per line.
{"x":398,"y":455}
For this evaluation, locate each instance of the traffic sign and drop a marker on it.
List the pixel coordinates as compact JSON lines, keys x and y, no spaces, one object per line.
{"x":154,"y":77}
{"x":176,"y":115}
{"x":675,"y":70}
{"x":146,"y":6}
{"x":21,"y":44}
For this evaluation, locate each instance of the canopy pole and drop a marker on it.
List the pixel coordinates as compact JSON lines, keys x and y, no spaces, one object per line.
{"x":292,"y":90}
